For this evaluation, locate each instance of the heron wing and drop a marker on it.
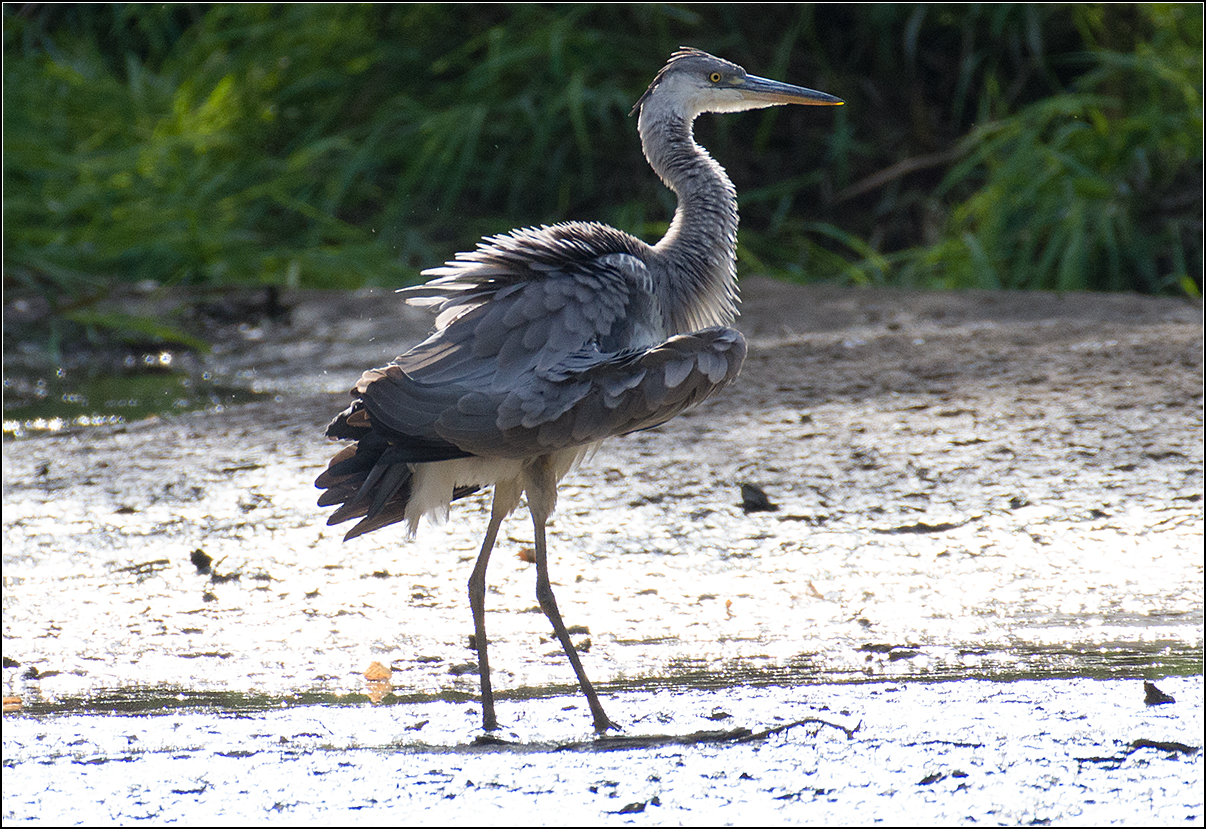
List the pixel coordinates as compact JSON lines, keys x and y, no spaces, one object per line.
{"x":527,"y":300}
{"x":585,"y":398}
{"x":546,"y":339}
{"x":514,"y":315}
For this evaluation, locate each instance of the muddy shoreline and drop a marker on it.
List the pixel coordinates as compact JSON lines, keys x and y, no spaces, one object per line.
{"x":989,"y":532}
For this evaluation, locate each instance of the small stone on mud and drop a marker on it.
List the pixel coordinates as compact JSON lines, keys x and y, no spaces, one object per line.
{"x":201,"y":560}
{"x":753,"y":499}
{"x":1154,"y":696}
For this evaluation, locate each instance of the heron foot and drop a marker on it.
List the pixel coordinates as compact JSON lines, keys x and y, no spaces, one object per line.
{"x":603,"y":725}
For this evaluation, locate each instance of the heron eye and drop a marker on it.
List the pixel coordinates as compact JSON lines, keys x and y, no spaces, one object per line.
{"x":714,"y":77}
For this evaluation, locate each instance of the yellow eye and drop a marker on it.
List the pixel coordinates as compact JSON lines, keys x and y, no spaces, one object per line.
{"x":714,"y":77}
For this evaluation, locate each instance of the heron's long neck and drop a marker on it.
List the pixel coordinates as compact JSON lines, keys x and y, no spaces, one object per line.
{"x":699,"y":251}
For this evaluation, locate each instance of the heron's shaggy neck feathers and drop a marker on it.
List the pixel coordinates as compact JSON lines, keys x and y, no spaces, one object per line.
{"x":699,"y":251}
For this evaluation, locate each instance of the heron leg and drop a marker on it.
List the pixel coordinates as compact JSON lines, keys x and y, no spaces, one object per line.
{"x":542,"y":496}
{"x":506,"y":496}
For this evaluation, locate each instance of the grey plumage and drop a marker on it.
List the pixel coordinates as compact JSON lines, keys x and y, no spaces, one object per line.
{"x":548,"y":340}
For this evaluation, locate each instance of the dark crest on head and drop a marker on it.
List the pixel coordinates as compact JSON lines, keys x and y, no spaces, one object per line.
{"x":683,"y":53}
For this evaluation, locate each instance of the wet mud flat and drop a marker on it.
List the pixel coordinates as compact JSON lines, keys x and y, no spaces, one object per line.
{"x":985,"y":504}
{"x":1078,"y":752}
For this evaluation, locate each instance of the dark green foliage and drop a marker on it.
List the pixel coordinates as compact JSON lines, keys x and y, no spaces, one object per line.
{"x":339,"y":145}
{"x":1099,"y":187}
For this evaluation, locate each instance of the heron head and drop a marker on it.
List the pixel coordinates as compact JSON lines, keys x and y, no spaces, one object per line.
{"x":694,"y":82}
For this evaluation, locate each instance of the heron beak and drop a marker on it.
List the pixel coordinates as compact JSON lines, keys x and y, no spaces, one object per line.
{"x":764,"y":91}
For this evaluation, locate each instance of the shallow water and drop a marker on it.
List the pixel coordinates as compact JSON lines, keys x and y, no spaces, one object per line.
{"x":1059,"y":751}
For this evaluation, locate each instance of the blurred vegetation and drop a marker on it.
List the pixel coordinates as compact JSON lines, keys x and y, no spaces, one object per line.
{"x":993,"y":146}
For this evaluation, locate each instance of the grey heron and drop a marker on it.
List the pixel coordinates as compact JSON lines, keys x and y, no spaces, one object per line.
{"x":549,"y":340}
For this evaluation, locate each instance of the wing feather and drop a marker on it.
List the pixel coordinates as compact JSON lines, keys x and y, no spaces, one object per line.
{"x":612,"y":395}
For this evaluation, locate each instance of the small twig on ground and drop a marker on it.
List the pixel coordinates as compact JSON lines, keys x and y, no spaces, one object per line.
{"x":736,"y":735}
{"x":761,"y":735}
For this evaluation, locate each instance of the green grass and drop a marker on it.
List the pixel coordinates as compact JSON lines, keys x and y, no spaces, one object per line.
{"x":996,"y":146}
